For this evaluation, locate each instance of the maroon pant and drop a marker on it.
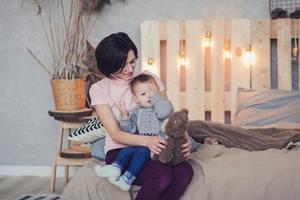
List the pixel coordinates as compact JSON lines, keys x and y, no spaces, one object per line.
{"x":158,"y":180}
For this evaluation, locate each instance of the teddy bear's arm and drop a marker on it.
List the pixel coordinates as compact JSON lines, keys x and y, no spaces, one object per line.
{"x":168,"y":153}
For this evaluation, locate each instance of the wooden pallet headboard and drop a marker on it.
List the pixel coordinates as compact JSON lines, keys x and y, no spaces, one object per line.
{"x":201,"y":85}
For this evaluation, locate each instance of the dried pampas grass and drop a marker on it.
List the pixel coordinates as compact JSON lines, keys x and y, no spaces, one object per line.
{"x":66,"y":27}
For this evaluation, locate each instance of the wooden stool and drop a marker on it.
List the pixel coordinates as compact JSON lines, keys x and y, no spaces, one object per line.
{"x":67,"y":121}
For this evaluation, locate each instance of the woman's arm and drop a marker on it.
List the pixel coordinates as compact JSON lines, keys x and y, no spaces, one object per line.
{"x":155,"y":144}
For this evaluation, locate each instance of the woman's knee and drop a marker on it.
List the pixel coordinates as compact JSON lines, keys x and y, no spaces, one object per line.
{"x":184,"y":173}
{"x":163,"y":177}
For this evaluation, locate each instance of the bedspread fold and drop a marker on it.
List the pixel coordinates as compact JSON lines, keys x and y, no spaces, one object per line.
{"x":248,"y":139}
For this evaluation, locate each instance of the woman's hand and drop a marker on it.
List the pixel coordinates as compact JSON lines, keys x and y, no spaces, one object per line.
{"x":186,"y":147}
{"x":155,"y":144}
{"x":122,"y":108}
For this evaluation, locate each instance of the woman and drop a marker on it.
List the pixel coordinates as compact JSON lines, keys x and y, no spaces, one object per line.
{"x":116,"y":58}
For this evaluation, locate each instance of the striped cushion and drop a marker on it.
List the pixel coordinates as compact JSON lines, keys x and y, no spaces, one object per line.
{"x":89,"y":132}
{"x":40,"y":197}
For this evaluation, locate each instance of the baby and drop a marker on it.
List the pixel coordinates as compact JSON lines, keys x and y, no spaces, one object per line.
{"x":146,"y":119}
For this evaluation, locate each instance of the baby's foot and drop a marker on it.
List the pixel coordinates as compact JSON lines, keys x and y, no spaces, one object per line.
{"x":107,"y":171}
{"x":121,"y":182}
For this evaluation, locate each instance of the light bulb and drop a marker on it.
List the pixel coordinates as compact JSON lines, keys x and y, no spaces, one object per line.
{"x":227,"y":53}
{"x":295,"y":51}
{"x":150,"y":61}
{"x":207,"y":41}
{"x":249,"y":57}
{"x":181,"y":59}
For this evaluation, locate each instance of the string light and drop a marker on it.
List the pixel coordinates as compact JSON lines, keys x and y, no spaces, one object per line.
{"x":207,"y":40}
{"x":238,"y":51}
{"x":182,"y":62}
{"x":295,"y":50}
{"x":249,"y":57}
{"x":249,"y":60}
{"x":150,"y":62}
{"x":227,"y":52}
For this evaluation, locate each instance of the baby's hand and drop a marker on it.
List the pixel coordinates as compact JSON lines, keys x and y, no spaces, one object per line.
{"x":122,"y":108}
{"x":153,"y":88}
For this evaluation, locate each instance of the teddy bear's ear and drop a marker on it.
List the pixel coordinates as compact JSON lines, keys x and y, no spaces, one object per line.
{"x":185,"y":110}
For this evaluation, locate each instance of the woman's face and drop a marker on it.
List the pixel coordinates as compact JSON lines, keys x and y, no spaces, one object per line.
{"x":127,"y":71}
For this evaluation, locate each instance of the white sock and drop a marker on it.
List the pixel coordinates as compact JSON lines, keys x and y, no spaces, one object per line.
{"x":121,"y":182}
{"x":107,"y":171}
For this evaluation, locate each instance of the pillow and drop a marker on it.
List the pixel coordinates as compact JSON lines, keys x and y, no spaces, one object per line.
{"x":98,"y":149}
{"x":268,"y":108}
{"x":89,"y":132}
{"x":195,"y":144}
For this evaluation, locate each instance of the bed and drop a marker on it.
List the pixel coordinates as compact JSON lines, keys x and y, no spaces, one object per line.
{"x":209,"y":86}
{"x":219,"y":173}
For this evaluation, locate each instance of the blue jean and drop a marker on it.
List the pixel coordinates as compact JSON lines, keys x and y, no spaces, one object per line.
{"x":133,"y":159}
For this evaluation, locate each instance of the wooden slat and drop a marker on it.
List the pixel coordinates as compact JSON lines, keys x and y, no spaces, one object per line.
{"x":240,"y":73}
{"x":150,"y":46}
{"x":172,"y":76}
{"x":163,"y":53}
{"x":207,"y":26}
{"x":217,"y":71}
{"x":182,"y":68}
{"x":284,"y":54}
{"x":299,"y":74}
{"x":195,"y":90}
{"x":227,"y":101}
{"x":228,"y":57}
{"x":298,"y":36}
{"x":274,"y":29}
{"x":260,"y":41}
{"x":298,"y":70}
{"x":145,"y":26}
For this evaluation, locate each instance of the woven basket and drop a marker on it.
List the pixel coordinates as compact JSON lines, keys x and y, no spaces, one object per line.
{"x":68,"y":94}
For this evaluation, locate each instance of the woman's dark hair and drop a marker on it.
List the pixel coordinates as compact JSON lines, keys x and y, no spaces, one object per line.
{"x":111,"y":53}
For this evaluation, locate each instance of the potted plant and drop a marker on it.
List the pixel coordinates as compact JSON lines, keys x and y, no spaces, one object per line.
{"x":73,"y":61}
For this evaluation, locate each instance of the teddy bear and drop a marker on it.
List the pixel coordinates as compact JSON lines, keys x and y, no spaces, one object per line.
{"x":176,"y":130}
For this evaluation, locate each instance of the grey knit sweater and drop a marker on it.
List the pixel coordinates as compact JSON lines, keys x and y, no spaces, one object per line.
{"x":147,"y":121}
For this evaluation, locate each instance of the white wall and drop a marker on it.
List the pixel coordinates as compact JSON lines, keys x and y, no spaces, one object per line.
{"x":28,"y":134}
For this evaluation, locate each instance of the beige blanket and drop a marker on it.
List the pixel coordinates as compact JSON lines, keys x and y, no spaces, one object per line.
{"x":220,"y":173}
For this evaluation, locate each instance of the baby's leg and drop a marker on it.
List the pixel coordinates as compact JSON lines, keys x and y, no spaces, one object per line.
{"x":140,"y":156}
{"x":114,"y":169}
{"x":107,"y":171}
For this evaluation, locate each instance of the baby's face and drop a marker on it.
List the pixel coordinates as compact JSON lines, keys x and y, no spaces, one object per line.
{"x":143,"y":93}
